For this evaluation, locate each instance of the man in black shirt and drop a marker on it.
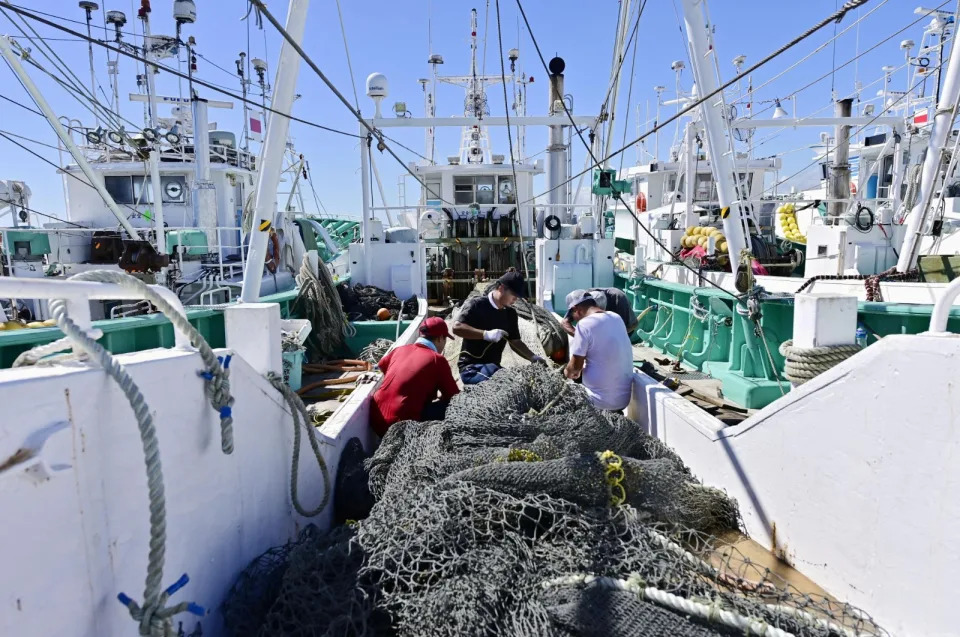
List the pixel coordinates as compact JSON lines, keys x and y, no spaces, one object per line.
{"x":486,"y":324}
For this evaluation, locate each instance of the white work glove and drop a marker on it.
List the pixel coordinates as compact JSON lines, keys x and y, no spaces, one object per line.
{"x":494,"y":336}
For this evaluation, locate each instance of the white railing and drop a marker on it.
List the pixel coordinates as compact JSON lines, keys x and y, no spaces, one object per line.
{"x":941,"y":310}
{"x":78,"y":295}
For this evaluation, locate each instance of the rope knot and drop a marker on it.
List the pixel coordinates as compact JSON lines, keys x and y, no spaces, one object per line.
{"x":155,"y":617}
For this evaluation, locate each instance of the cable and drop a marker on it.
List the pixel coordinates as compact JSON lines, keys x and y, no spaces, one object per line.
{"x":848,"y":6}
{"x":513,"y":160}
{"x":618,"y":196}
{"x":170,"y":70}
{"x":261,"y":7}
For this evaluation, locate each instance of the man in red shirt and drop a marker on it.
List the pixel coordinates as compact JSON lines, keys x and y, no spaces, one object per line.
{"x":413,"y":374}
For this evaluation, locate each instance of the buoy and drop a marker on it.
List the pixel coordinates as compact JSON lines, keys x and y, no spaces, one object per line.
{"x":383,"y":314}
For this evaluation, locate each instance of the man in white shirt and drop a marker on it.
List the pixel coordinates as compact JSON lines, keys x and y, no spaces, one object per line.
{"x":601,"y":353}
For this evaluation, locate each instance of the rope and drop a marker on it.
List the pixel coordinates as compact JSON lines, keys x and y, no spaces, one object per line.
{"x":712,"y":613}
{"x":804,"y":363}
{"x":154,"y":617}
{"x":300,"y":418}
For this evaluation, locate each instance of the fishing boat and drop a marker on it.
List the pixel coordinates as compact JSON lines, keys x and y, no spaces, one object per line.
{"x":526,"y":511}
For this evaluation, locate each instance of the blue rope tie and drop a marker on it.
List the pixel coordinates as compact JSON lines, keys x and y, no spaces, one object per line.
{"x":225,"y":412}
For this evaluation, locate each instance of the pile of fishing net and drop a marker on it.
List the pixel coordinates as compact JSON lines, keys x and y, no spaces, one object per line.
{"x":525,"y":512}
{"x":362,"y":302}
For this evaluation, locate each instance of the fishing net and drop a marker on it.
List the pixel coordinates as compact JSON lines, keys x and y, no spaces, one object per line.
{"x":318,"y":302}
{"x":376,"y":350}
{"x":362,"y":302}
{"x":529,"y":512}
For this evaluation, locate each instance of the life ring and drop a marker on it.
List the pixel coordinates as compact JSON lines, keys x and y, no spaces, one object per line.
{"x":641,"y":202}
{"x":273,"y":261}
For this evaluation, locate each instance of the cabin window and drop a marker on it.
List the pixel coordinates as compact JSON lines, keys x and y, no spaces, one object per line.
{"x":506,"y":192}
{"x":432,"y":196}
{"x":485,"y":194}
{"x":484,"y":190}
{"x":463,"y":191}
{"x":120,"y":188}
{"x":135,"y":189}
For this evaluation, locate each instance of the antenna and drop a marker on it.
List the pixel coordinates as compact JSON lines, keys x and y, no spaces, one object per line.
{"x":89,"y":8}
{"x":377,"y":89}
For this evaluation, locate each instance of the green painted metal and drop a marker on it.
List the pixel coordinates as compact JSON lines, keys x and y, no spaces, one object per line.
{"x":38,"y":242}
{"x":138,"y":333}
{"x":195,"y":240}
{"x":703,"y":328}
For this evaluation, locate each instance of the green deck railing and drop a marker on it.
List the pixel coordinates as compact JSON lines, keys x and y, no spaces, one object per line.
{"x":703,"y":328}
{"x":138,"y":333}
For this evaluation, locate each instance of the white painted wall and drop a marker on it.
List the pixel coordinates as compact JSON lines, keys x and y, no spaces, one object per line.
{"x":857,"y":471}
{"x":71,"y":541}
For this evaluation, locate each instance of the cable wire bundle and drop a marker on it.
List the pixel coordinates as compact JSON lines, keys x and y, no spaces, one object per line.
{"x":526,"y":512}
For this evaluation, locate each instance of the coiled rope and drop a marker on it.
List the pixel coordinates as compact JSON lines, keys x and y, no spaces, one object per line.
{"x":804,"y":363}
{"x":301,"y":419}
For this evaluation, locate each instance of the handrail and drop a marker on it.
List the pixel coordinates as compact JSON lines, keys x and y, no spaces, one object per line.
{"x":941,"y":309}
{"x":78,"y":295}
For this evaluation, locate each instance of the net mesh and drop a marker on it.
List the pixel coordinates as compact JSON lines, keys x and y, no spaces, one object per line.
{"x":528,"y":512}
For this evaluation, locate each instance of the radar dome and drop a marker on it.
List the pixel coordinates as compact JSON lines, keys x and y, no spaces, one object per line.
{"x":377,"y":85}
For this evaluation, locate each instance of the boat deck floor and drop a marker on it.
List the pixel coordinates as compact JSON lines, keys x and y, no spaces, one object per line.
{"x":703,"y":390}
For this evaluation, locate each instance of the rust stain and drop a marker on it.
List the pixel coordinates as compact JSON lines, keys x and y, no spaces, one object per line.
{"x":83,"y":436}
{"x":19,"y":456}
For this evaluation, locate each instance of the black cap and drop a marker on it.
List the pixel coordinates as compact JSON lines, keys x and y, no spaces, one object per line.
{"x":514,"y":282}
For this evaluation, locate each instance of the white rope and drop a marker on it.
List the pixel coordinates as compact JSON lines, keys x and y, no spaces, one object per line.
{"x":713,"y":613}
{"x":804,"y":363}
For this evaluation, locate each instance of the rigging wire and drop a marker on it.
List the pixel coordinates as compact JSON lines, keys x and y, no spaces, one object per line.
{"x":353,"y":82}
{"x":886,"y":109}
{"x":633,"y":65}
{"x":814,"y":52}
{"x":848,"y":6}
{"x":597,"y":163}
{"x":172,"y":71}
{"x":513,"y":159}
{"x":373,"y":133}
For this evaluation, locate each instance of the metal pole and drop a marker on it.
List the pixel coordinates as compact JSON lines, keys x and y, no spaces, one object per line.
{"x":89,"y":8}
{"x":839,"y":185}
{"x":13,"y":60}
{"x":722,"y":162}
{"x":243,"y":93}
{"x":273,"y":149}
{"x":155,"y":145}
{"x":365,"y":200}
{"x":556,"y":152}
{"x":939,"y":132}
{"x":383,"y":197}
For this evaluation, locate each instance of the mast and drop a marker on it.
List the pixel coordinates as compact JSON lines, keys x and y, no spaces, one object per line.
{"x":840,"y":173}
{"x":939,"y":131}
{"x":722,"y":162}
{"x":557,"y":149}
{"x":144,"y":15}
{"x":618,"y":53}
{"x":89,"y":8}
{"x":273,"y":149}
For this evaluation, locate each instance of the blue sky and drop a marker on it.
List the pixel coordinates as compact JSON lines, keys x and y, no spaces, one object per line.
{"x":391,"y":37}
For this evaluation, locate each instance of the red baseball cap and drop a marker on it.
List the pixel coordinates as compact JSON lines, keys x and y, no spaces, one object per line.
{"x":433,"y":327}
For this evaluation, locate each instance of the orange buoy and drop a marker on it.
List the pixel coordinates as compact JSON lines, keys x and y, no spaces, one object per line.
{"x":383,"y":314}
{"x":641,"y":202}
